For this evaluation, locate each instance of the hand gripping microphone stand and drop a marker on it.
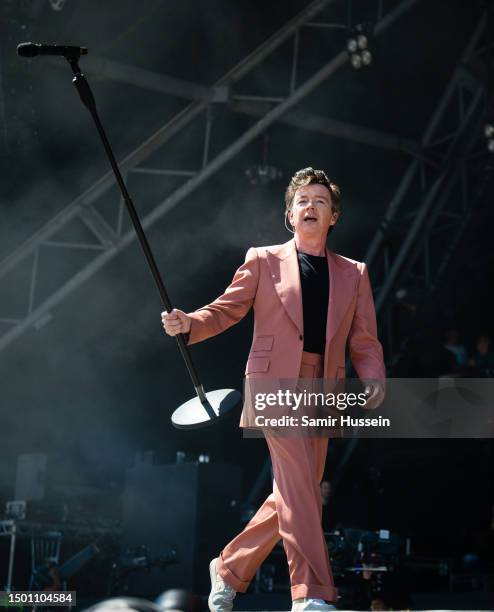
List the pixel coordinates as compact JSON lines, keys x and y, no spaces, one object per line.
{"x":206,"y":408}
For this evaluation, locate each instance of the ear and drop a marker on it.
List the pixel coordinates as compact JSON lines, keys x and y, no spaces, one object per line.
{"x":290,"y":217}
{"x":334,"y":217}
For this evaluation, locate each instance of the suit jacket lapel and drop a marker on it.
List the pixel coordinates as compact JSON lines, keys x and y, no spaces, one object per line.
{"x":286,"y":278}
{"x":341,"y":291}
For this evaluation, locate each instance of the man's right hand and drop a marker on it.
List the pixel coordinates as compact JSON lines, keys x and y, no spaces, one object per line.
{"x":175,"y":322}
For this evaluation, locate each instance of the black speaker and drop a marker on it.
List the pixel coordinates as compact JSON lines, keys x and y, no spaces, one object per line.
{"x":192,"y":508}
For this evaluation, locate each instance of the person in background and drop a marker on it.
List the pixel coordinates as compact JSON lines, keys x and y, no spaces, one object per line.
{"x":328,"y":523}
{"x":483,"y":358}
{"x":452,"y":343}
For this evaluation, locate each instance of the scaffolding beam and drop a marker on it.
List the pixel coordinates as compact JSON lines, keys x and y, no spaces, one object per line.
{"x":88,"y":198}
{"x":405,"y":252}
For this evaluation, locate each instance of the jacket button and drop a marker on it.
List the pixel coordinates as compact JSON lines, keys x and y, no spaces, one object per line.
{"x":301,"y":337}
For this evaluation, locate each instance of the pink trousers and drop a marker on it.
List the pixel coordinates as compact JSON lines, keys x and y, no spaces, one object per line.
{"x":293,"y":512}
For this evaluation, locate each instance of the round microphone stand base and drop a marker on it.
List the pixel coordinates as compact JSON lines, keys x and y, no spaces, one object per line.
{"x":195,"y":414}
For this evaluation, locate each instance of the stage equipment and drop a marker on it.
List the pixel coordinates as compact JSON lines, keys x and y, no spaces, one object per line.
{"x":33,"y":510}
{"x":187,"y":508}
{"x":57,"y":5}
{"x":358,"y":45}
{"x":45,"y":539}
{"x":49,"y":576}
{"x":263,"y":174}
{"x":489,"y":136}
{"x":355,"y":550}
{"x":135,"y":560}
{"x":206,"y":408}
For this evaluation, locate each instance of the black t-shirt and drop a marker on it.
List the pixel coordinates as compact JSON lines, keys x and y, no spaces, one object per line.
{"x":314,"y":279}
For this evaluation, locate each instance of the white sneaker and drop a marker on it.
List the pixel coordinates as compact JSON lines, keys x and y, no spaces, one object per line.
{"x":222,"y":594}
{"x":305,"y":604}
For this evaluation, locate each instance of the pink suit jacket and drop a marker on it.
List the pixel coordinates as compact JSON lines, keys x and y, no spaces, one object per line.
{"x":269,"y":280}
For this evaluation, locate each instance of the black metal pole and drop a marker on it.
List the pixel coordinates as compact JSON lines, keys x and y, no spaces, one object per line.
{"x":88,"y":100}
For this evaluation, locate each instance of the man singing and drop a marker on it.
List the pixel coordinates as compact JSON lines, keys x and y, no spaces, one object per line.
{"x":309,"y":303}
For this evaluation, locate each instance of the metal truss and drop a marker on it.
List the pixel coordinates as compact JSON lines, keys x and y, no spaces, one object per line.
{"x":254,"y":106}
{"x":435,"y":197}
{"x":108,"y":235}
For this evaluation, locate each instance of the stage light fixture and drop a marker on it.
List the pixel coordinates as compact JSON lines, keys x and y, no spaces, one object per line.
{"x":366,"y":57}
{"x":356,"y":60}
{"x":352,"y":45}
{"x":358,"y":43}
{"x":264,"y":173}
{"x":57,"y":5}
{"x":362,"y":41}
{"x":489,"y":136}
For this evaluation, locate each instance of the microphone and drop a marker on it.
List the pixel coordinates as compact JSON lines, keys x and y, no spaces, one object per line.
{"x":30,"y":49}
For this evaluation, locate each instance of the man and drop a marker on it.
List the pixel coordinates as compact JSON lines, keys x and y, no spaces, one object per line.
{"x":308,"y":303}
{"x":483,"y":358}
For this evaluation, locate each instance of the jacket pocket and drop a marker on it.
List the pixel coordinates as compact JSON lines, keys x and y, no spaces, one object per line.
{"x":257,"y":364}
{"x":263,"y":343}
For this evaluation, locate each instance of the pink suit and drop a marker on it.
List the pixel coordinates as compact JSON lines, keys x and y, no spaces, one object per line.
{"x":269,"y":281}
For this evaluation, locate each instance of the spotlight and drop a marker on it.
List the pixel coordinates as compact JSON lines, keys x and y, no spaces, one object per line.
{"x":362,"y":41}
{"x":356,"y":60}
{"x":57,"y":5}
{"x":489,"y":136}
{"x":262,"y":175}
{"x":358,"y":43}
{"x":366,"y":57}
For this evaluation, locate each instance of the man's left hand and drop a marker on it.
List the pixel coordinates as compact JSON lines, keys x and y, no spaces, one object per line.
{"x":374,"y":390}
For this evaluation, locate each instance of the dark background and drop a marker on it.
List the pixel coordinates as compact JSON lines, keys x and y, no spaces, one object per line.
{"x":99,"y":381}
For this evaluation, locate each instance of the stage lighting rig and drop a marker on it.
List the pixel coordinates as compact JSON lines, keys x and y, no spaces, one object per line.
{"x":57,"y":5}
{"x":263,"y":174}
{"x":489,"y":136}
{"x":358,"y":45}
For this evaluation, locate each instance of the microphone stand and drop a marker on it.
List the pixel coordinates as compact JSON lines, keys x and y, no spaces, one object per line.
{"x":206,"y":408}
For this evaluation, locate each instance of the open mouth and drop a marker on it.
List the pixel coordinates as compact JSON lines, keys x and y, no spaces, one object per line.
{"x":310,"y":219}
